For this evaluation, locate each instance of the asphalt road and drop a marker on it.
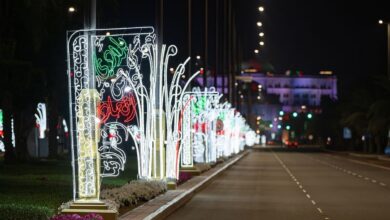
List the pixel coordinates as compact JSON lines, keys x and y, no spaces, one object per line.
{"x":283,"y":184}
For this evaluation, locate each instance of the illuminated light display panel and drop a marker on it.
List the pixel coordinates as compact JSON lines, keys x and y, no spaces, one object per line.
{"x":199,"y":127}
{"x":122,"y":98}
{"x":41,"y":120}
{"x":104,"y":72}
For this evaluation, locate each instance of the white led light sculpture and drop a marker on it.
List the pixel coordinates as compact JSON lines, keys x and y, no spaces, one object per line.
{"x":213,"y":123}
{"x":186,"y":156}
{"x":224,"y":139}
{"x":236,"y":136}
{"x":162,"y":103}
{"x":128,"y":72}
{"x":13,"y":140}
{"x":41,"y":119}
{"x":65,"y":126}
{"x":203,"y":122}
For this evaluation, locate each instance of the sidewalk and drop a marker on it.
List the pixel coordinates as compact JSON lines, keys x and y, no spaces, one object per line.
{"x":163,"y":205}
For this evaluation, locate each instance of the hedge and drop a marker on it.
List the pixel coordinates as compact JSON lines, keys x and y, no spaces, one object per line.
{"x":23,"y":212}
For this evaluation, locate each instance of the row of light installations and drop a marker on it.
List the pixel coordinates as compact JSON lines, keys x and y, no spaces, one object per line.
{"x":261,"y":32}
{"x":210,"y":129}
{"x":121,"y":97}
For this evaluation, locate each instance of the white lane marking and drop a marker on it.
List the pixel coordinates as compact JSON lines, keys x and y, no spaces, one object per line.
{"x":297,"y":182}
{"x":349,"y":172}
{"x":361,"y":162}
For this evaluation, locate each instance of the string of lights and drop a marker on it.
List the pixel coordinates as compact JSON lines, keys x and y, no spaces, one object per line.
{"x":259,"y":24}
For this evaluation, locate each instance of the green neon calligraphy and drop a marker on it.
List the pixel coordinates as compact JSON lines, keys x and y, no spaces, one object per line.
{"x":113,"y":57}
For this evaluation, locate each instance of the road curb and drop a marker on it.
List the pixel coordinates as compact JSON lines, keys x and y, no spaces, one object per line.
{"x":358,"y":155}
{"x":183,"y":198}
{"x":372,"y":156}
{"x":385,"y":158}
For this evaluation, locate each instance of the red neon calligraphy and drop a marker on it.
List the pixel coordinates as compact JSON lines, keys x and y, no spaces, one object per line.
{"x":124,"y":108}
{"x":200,"y":127}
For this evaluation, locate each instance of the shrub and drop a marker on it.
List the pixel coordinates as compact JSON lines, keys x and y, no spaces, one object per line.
{"x":90,"y":216}
{"x":183,"y":177}
{"x":22,"y":212}
{"x":134,"y":192}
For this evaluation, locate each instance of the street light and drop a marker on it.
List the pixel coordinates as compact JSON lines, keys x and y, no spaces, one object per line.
{"x":387,"y":149}
{"x":261,"y":34}
{"x":259,"y":24}
{"x":381,"y":22}
{"x":71,"y":9}
{"x":198,"y":57}
{"x":256,"y":51}
{"x":261,"y":9}
{"x":261,"y":43}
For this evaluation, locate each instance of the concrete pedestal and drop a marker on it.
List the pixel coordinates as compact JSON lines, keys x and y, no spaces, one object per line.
{"x":192,"y":170}
{"x":171,"y":185}
{"x":84,"y":208}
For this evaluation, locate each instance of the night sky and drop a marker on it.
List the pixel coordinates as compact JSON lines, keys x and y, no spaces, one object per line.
{"x":310,"y":36}
{"x":325,"y":35}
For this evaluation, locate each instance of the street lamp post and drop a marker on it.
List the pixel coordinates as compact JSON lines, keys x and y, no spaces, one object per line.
{"x":388,"y":50}
{"x":381,"y":22}
{"x":387,"y":150}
